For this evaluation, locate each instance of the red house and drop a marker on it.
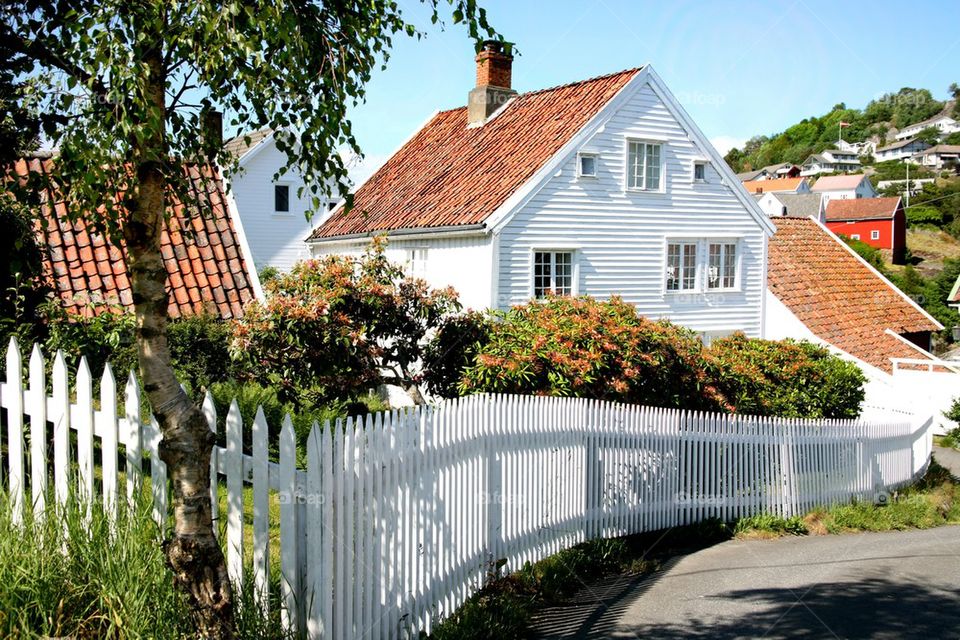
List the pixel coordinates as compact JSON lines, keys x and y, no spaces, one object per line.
{"x":880,"y":222}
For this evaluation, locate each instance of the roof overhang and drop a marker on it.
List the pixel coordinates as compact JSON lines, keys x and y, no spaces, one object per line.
{"x":412,"y":233}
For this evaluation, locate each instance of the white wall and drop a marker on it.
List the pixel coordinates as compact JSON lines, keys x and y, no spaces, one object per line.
{"x":276,"y":239}
{"x":463,"y":262}
{"x":620,"y":237}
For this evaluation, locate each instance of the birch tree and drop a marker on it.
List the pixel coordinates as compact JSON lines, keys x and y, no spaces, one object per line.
{"x":126,"y":91}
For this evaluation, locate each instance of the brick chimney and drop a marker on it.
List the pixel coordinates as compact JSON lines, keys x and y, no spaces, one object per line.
{"x":494,"y":68}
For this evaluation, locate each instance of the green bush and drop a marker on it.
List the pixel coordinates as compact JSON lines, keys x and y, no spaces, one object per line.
{"x":564,"y":346}
{"x":768,"y":523}
{"x":200,"y":351}
{"x":453,"y":348}
{"x":787,"y":379}
{"x":340,"y":326}
{"x":924,"y":215}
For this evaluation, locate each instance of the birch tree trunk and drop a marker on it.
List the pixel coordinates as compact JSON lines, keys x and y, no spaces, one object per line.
{"x":192,"y":550}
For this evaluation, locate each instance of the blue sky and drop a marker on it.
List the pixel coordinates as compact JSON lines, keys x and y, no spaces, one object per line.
{"x":739,"y":68}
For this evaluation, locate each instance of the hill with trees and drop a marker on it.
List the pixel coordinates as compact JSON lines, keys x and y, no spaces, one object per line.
{"x":874,"y":122}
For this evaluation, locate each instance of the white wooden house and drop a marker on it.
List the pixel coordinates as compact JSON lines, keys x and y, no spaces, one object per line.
{"x":945,"y":125}
{"x":900,"y":150}
{"x":845,"y":187}
{"x":830,"y":161}
{"x":601,"y":187}
{"x":273,"y":213}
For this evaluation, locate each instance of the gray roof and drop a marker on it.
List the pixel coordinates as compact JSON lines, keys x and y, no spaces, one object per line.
{"x":800,"y":205}
{"x":239,"y":146}
{"x":897,"y":145}
{"x":746,"y":176}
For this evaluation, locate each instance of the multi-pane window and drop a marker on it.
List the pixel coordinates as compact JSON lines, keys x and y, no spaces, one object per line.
{"x":643,"y":165}
{"x":681,"y":266}
{"x":552,"y":273}
{"x":722,"y":265}
{"x":281,"y":198}
{"x":416,"y":262}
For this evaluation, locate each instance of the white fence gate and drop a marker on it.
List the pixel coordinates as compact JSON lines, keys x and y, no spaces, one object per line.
{"x":398,"y":517}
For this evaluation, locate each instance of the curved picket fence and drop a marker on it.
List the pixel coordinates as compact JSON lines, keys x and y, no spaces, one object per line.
{"x":399,"y":517}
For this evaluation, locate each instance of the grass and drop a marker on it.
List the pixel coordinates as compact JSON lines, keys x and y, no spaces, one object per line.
{"x":503,"y":608}
{"x":72,"y":576}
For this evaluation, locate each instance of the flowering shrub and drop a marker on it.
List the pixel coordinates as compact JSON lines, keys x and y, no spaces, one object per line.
{"x":787,"y":379}
{"x":588,"y":348}
{"x":335,"y":327}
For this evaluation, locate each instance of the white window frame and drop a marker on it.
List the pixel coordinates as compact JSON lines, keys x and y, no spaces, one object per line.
{"x":553,"y":251}
{"x":289,"y":210}
{"x":874,"y":234}
{"x":627,"y":173}
{"x":855,"y":236}
{"x":682,"y":242}
{"x":703,"y":243}
{"x":702,"y":164}
{"x":596,"y":164}
{"x":738,"y":259}
{"x":416,"y":262}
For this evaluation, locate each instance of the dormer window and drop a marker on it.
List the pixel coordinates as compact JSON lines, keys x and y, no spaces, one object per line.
{"x":587,"y":165}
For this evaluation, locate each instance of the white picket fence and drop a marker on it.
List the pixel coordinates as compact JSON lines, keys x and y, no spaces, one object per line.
{"x":399,"y":517}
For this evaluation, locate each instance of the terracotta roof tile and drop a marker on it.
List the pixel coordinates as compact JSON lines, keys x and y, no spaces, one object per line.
{"x":862,"y":209}
{"x":452,"y":175}
{"x":774,"y":185}
{"x":89,"y":274}
{"x":838,"y":297}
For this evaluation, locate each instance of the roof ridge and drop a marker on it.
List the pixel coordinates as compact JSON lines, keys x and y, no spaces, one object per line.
{"x":534,"y":92}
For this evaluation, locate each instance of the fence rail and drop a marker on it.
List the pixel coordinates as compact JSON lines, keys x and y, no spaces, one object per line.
{"x":398,"y":517}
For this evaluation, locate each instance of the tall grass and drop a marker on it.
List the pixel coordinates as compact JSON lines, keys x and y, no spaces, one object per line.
{"x":70,"y":575}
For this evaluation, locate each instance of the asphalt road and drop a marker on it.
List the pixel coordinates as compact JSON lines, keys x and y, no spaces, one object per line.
{"x":872,"y":585}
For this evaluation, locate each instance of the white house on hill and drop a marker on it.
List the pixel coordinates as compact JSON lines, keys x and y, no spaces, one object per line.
{"x":845,"y":187}
{"x":273,"y":214}
{"x":602,"y":187}
{"x":900,"y":150}
{"x":944,"y":124}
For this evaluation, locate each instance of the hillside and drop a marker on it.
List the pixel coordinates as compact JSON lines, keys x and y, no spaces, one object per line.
{"x":877,"y":122}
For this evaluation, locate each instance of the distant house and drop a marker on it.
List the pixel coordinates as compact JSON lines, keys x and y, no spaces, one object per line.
{"x":954,"y":298}
{"x":944,"y":124}
{"x":273,"y":213}
{"x":916,"y":185}
{"x":844,"y":187}
{"x":900,"y":150}
{"x":820,"y":290}
{"x":880,"y":222}
{"x":941,"y":157}
{"x":602,"y":187}
{"x":830,"y":161}
{"x":771,"y":172}
{"x":747,"y":176}
{"x":793,"y":205}
{"x":778,"y":185}
{"x":208,"y":263}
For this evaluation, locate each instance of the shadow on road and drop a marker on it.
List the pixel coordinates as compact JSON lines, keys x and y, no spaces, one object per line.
{"x":870,"y":608}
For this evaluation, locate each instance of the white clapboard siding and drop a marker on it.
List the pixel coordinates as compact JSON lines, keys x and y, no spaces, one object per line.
{"x":399,"y":517}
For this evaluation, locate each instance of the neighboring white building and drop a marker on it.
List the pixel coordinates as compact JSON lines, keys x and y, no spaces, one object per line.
{"x":940,"y":157}
{"x":900,"y":150}
{"x":792,"y":205}
{"x":602,"y":187}
{"x":845,"y":187}
{"x":273,"y":214}
{"x":944,"y":124}
{"x":830,"y":161}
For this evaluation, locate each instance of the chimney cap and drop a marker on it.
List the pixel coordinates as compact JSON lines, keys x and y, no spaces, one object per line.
{"x":495,"y":46}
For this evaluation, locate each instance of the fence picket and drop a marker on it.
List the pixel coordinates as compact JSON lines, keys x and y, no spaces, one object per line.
{"x":261,"y":511}
{"x":234,"y":472}
{"x":288,"y":498}
{"x":84,"y":425}
{"x":61,"y":430}
{"x":210,"y":413}
{"x":38,"y":433}
{"x":14,"y":404}
{"x":133,"y":464}
{"x":109,"y":439}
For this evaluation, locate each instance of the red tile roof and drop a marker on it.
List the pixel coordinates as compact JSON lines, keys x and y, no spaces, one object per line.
{"x":838,"y":297}
{"x":206,"y":269}
{"x":452,"y":175}
{"x":770,"y":186}
{"x":862,"y":209}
